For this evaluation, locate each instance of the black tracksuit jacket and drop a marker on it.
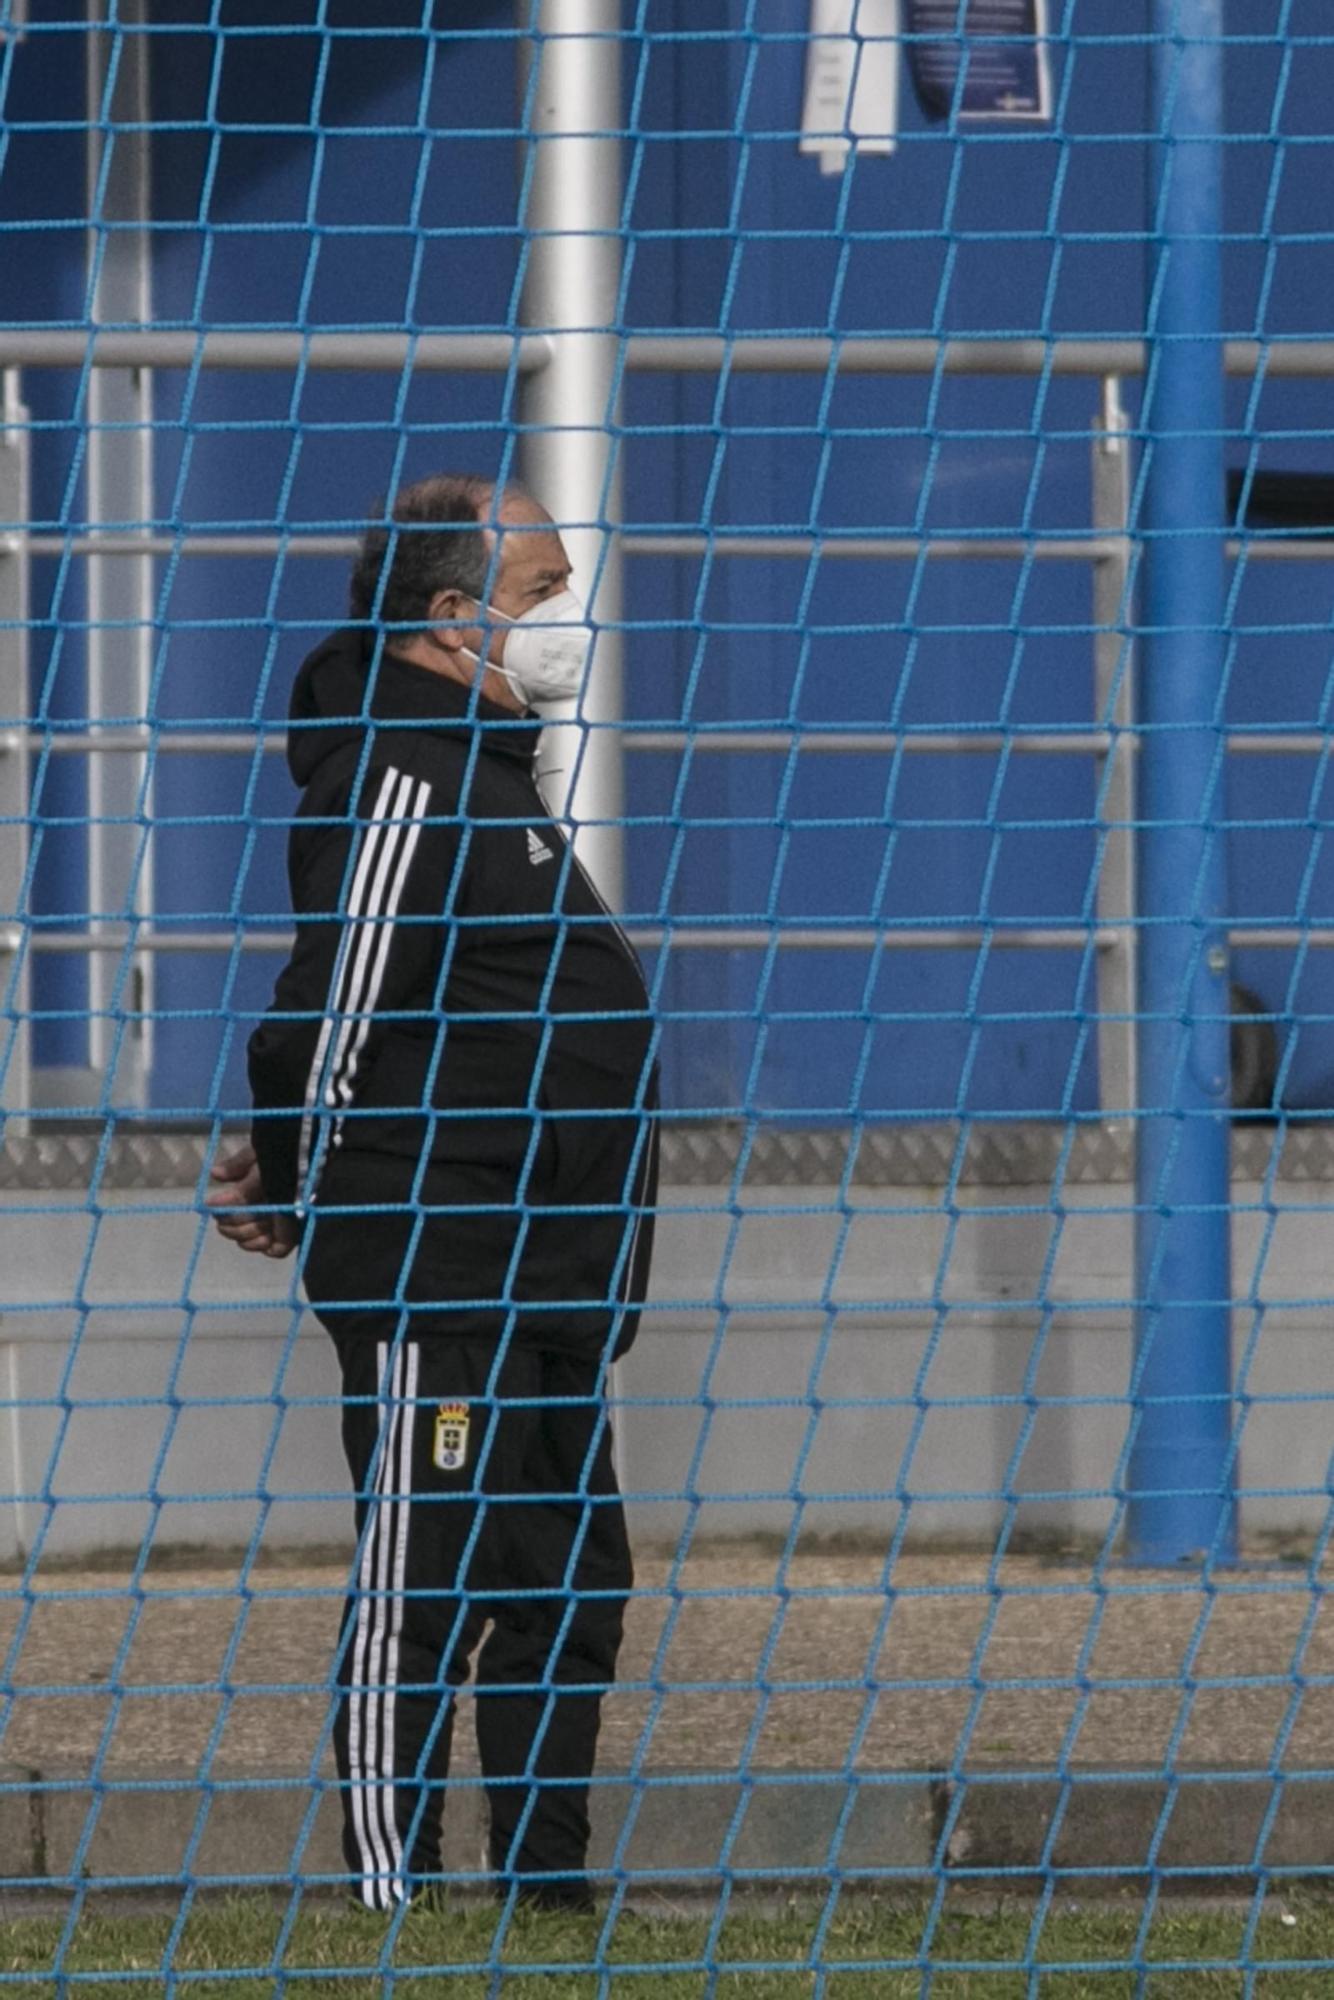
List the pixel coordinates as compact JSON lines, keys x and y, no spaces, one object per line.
{"x":461,"y":1022}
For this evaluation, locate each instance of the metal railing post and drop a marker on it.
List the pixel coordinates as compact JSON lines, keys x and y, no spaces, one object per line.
{"x":15,"y":801}
{"x":569,"y":79}
{"x":1113,"y":697}
{"x":1180,"y":1485}
{"x":120,"y":592}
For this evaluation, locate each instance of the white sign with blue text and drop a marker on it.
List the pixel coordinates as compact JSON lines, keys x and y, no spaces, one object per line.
{"x":980,"y":58}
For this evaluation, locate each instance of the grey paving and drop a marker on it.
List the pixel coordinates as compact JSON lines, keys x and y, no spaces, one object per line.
{"x":782,"y":1717}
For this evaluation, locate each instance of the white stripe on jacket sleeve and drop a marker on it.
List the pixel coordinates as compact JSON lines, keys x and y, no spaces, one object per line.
{"x":388,"y":843}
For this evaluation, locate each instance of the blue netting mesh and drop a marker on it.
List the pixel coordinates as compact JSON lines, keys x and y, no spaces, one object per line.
{"x":955,"y":756}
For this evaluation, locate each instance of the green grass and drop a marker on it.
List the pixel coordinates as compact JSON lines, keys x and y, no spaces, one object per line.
{"x":866,"y":1950}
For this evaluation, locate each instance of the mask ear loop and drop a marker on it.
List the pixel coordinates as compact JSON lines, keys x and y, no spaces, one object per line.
{"x":489,"y":613}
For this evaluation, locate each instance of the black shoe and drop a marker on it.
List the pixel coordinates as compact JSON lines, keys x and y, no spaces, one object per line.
{"x":570,"y":1896}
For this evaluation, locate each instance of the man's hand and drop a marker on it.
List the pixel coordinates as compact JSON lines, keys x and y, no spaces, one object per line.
{"x":238,"y":1189}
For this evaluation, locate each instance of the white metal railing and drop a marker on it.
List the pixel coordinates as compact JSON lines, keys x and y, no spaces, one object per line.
{"x":639,"y":353}
{"x":996,"y":934}
{"x":703,"y":740}
{"x":1107,"y":547}
{"x":829,"y":546}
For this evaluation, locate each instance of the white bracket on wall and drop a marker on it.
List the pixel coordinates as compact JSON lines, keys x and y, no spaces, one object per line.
{"x":852,"y":80}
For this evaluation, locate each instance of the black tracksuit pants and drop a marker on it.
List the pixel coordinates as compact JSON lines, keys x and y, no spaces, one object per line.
{"x":486,"y":1494}
{"x":481,"y":1457}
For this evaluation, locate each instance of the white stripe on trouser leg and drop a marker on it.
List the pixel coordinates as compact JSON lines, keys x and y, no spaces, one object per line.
{"x":374,"y":1861}
{"x":377,"y":1888}
{"x":398,"y":1578}
{"x":379,"y":1742}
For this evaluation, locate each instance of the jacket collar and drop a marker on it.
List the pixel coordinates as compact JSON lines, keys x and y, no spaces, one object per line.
{"x":413,"y":693}
{"x":329,"y":704}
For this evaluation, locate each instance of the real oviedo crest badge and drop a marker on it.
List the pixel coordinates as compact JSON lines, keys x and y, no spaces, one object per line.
{"x":451,"y":1437}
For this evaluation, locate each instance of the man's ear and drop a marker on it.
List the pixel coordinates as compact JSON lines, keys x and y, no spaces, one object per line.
{"x":445,"y":610}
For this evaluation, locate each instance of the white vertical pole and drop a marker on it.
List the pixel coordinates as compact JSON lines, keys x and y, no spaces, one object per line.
{"x":1113,"y":689}
{"x":120,"y":499}
{"x":15,"y":799}
{"x":569,"y":93}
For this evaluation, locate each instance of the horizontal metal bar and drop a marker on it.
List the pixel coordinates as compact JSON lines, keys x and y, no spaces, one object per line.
{"x":909,"y":938}
{"x":379,"y":353}
{"x":1255,"y":743}
{"x":959,"y":743}
{"x":883,"y":548}
{"x":1278,"y":937}
{"x":296,"y":544}
{"x":79,"y":943}
{"x":636,"y":542}
{"x":138,"y":742}
{"x":685,"y":937}
{"x":765,"y":354}
{"x":720,"y":937}
{"x":703,"y":741}
{"x":657,"y":353}
{"x":882,"y":742}
{"x":938,"y":743}
{"x":956,"y":548}
{"x":1277,"y":548}
{"x":861,"y":548}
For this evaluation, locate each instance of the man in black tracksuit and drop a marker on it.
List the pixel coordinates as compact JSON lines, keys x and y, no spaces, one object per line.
{"x":453,"y":1095}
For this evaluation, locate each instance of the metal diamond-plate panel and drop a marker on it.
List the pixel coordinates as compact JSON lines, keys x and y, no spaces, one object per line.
{"x":987,"y":1155}
{"x":1305,"y":1152}
{"x":1001,"y":1155}
{"x":84,"y":1159}
{"x":983,"y":1155}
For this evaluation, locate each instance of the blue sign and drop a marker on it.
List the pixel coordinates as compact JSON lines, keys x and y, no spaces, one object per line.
{"x":979,"y":58}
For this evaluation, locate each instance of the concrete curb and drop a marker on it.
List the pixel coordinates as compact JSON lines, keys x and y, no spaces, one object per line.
{"x":889,"y":1828}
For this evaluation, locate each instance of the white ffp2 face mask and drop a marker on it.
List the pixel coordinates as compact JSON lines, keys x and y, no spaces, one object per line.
{"x":546,"y":650}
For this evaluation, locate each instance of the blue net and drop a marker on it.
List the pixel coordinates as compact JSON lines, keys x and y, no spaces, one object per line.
{"x":929,"y":399}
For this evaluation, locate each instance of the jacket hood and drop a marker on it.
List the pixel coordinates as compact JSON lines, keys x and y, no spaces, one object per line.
{"x":329,"y":706}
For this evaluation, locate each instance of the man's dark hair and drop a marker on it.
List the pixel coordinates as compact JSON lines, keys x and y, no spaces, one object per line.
{"x":435,"y":533}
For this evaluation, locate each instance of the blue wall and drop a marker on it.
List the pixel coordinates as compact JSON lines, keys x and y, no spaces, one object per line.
{"x":259,"y":221}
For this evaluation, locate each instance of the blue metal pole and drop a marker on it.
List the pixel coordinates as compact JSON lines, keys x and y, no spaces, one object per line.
{"x":1181,"y":1504}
